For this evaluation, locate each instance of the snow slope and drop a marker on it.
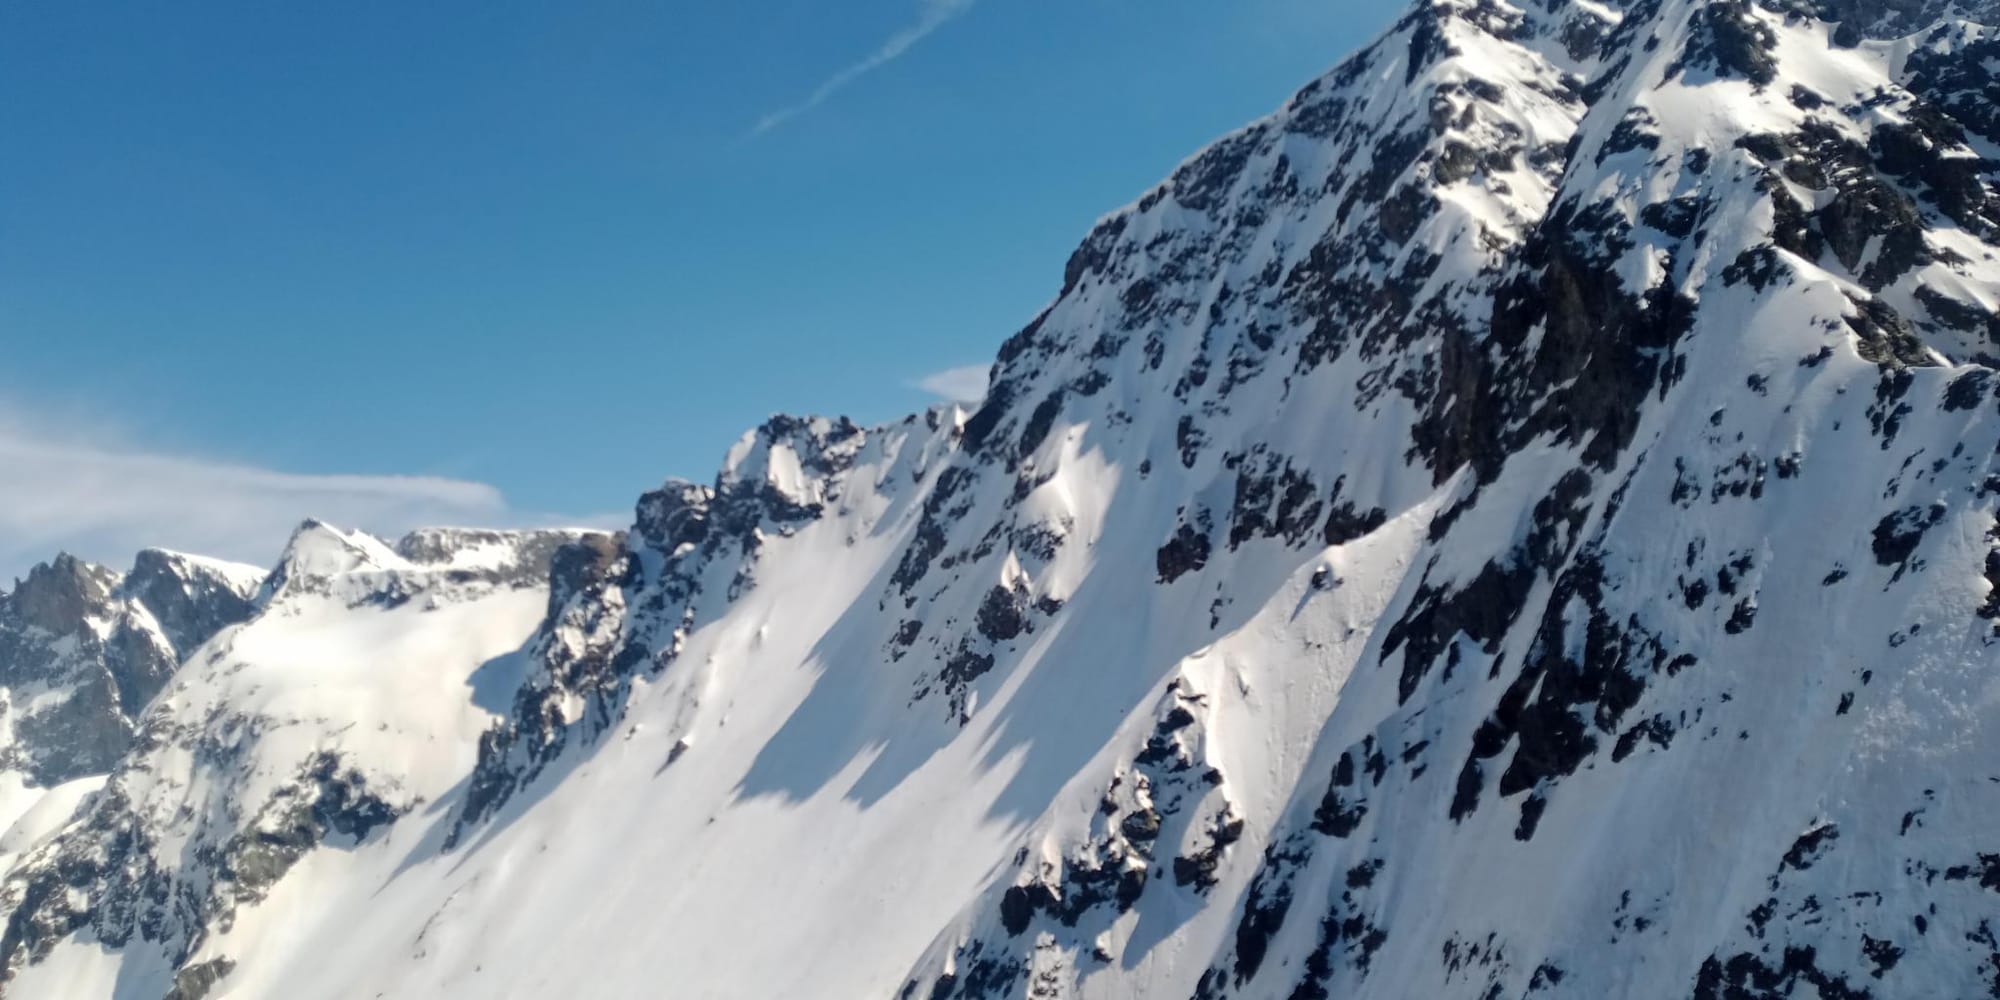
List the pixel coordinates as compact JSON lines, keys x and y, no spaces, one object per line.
{"x":354,"y":694}
{"x":1518,"y":521}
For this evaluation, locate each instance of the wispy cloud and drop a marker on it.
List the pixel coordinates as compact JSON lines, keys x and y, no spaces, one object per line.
{"x":92,"y":494}
{"x":966,"y":384}
{"x":931,"y":15}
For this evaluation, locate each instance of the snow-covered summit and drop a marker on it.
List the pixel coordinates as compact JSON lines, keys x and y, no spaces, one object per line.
{"x":355,"y":566}
{"x":1519,"y":521}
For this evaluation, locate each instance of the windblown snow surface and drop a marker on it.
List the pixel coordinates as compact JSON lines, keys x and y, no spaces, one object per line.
{"x":1518,"y":521}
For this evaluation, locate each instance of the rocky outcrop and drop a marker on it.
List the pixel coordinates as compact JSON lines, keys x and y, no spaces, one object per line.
{"x":83,"y":650}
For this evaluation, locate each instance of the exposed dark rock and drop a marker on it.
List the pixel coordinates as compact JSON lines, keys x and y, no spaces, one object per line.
{"x":1184,"y":553}
{"x":1729,"y":39}
{"x":1482,"y":610}
{"x":1897,"y":535}
{"x":1003,"y":614}
{"x":195,"y":981}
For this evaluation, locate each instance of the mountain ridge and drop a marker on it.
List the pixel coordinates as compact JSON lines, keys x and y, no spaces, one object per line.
{"x":1518,"y":521}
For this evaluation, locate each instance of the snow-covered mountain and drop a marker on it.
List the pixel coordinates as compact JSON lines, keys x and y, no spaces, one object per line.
{"x":1518,"y":521}
{"x":349,"y":691}
{"x":84,"y":649}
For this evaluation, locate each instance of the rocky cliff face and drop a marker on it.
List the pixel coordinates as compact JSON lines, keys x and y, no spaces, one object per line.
{"x":82,"y":650}
{"x":1518,"y":521}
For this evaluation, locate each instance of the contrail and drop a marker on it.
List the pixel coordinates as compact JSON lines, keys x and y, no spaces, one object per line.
{"x":932,"y":16}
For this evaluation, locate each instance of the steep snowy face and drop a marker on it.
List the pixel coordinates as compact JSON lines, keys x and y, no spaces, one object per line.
{"x":1685,"y":692}
{"x":82,"y":650}
{"x":350,"y":697}
{"x":622,"y":609}
{"x":1518,"y":521}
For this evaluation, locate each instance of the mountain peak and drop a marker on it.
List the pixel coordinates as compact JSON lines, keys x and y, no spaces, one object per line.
{"x":319,"y":552}
{"x":60,"y":594}
{"x":1520,"y":521}
{"x":92,"y":648}
{"x":192,"y":597}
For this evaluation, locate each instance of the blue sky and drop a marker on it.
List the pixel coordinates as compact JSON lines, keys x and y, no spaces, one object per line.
{"x":542,"y":256}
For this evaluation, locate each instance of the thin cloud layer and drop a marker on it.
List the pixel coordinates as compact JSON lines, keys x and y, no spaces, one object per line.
{"x":931,"y":15}
{"x":103,"y":501}
{"x":966,"y":384}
